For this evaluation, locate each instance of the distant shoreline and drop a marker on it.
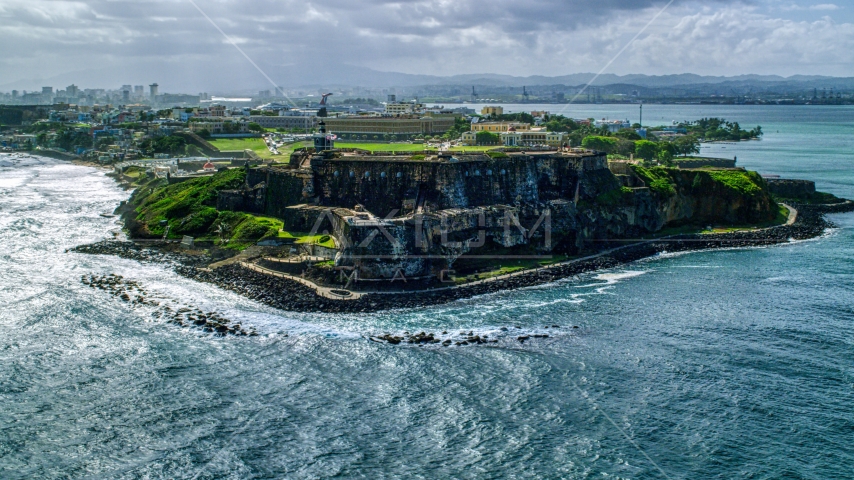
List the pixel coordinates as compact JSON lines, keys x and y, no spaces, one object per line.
{"x":645,"y":102}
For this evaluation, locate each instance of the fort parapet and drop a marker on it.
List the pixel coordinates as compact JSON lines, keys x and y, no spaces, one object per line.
{"x":384,"y":184}
{"x":787,"y":188}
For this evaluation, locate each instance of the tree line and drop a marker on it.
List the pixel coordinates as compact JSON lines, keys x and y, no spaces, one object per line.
{"x":662,"y":151}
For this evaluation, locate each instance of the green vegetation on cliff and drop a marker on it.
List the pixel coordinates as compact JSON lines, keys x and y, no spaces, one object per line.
{"x":742,"y":181}
{"x":658,"y":179}
{"x":181,"y":200}
{"x":710,"y":196}
{"x":663,"y":180}
{"x":188,"y":208}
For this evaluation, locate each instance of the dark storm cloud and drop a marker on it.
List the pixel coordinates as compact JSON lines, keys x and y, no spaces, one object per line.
{"x":42,"y":38}
{"x":337,"y":28}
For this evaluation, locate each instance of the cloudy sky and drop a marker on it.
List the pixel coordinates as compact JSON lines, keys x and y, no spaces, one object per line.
{"x":109,"y":42}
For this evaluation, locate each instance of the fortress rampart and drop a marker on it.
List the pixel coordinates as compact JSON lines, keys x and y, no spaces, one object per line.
{"x":387,"y":184}
{"x":416,"y":215}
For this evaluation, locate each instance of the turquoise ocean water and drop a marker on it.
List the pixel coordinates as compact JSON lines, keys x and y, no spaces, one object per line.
{"x":721,"y":364}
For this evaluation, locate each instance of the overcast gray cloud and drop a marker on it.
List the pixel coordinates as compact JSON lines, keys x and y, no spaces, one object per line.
{"x":115,"y":41}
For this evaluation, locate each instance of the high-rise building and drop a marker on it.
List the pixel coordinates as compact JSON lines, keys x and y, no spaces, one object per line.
{"x":153,"y":90}
{"x":139,"y":90}
{"x":126,"y":95}
{"x":72,"y":91}
{"x":14,"y":94}
{"x":47,"y":90}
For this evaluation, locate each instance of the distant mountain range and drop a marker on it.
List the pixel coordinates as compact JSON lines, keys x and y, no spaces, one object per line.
{"x":402,"y":79}
{"x":242,"y":78}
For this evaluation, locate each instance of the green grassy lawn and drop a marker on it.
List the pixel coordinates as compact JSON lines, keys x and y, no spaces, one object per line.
{"x":287,"y":150}
{"x":301,"y":237}
{"x":231,"y":144}
{"x":383,"y":147}
{"x":315,"y":239}
{"x":257,"y":145}
{"x":404,"y":147}
{"x":474,"y":148}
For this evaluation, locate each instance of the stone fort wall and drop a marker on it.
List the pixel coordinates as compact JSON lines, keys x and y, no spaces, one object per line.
{"x":383,"y":186}
{"x":791,"y":188}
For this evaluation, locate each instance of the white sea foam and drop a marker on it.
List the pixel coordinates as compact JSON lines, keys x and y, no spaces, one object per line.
{"x":615,"y":277}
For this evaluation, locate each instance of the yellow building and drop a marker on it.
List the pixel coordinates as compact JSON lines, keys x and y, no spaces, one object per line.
{"x":492,"y":111}
{"x":355,"y":127}
{"x":469,"y":138}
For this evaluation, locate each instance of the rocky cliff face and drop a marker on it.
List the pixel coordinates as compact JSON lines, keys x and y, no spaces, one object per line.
{"x":444,"y":207}
{"x":385,"y":184}
{"x":674,"y":197}
{"x":733,"y":196}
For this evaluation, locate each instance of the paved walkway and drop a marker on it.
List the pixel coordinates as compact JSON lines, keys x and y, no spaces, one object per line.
{"x":793,"y":214}
{"x":325,"y":292}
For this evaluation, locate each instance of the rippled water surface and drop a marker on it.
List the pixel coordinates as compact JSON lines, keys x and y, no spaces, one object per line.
{"x":724,"y":364}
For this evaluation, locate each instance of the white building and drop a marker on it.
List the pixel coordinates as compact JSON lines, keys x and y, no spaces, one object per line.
{"x":534,"y":138}
{"x":613,"y":126}
{"x":523,"y":138}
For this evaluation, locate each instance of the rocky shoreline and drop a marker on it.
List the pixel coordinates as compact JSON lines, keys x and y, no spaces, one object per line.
{"x":289,"y":295}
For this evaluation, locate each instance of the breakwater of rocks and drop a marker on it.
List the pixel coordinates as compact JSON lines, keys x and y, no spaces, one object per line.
{"x":842,"y":207}
{"x":153,"y":253}
{"x":133,"y":293}
{"x":462,"y":339}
